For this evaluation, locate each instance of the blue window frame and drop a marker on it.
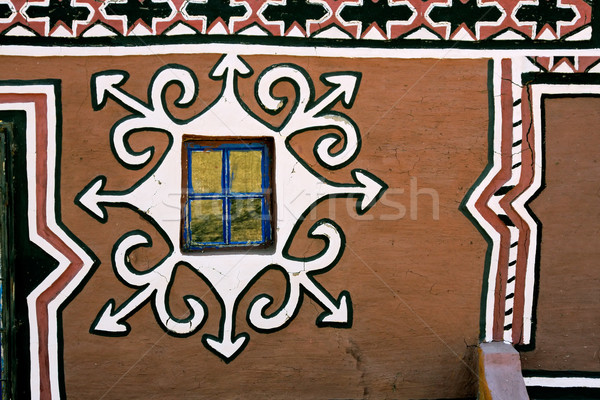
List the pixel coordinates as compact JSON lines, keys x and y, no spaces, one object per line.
{"x":229,"y":194}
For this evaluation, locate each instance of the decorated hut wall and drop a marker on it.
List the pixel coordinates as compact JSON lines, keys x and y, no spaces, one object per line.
{"x":287,"y":199}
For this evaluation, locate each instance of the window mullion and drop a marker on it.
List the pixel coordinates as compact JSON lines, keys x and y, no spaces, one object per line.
{"x":226,"y":186}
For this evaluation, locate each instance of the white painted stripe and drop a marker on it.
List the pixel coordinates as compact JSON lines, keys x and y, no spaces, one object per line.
{"x":563,"y":382}
{"x":262,"y":49}
{"x":514,"y":237}
{"x":494,"y":204}
{"x":510,"y":288}
{"x":516,"y":158}
{"x":476,"y":194}
{"x":512,"y":271}
{"x":509,"y":303}
{"x":516,"y":110}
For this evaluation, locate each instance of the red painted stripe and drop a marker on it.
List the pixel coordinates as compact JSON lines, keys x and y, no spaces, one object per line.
{"x":525,"y":181}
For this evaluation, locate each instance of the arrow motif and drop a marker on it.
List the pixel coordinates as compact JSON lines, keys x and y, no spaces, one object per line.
{"x":229,"y":117}
{"x":226,"y":346}
{"x":306,"y":114}
{"x":338,"y":313}
{"x":110,"y":321}
{"x":345,"y":86}
{"x":108,"y":84}
{"x":367,"y":188}
{"x":227,"y":69}
{"x":154,"y":285}
{"x":371,"y":189}
{"x":92,"y":198}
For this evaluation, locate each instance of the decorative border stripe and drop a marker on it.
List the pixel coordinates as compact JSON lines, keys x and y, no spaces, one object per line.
{"x":499,"y":203}
{"x":39,"y":101}
{"x":407,"y":20}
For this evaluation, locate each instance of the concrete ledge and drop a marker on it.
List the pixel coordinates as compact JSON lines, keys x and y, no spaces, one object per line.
{"x":500,"y":376}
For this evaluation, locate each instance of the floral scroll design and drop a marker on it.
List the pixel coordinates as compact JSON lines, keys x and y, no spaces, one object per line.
{"x":231,"y":274}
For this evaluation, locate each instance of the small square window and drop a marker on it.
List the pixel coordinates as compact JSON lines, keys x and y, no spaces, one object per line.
{"x":228,"y":201}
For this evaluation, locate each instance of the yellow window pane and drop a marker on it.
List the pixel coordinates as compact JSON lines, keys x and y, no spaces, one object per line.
{"x":246,"y":220}
{"x":206,"y":171}
{"x":246,"y":173}
{"x":206,"y":221}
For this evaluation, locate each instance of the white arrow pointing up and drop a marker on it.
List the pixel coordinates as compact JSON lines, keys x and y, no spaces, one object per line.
{"x":228,"y":64}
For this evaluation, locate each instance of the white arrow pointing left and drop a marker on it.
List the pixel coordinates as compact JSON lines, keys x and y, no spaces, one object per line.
{"x":92,"y":197}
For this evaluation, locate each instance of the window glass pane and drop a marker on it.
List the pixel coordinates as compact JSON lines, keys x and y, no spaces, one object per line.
{"x":206,"y":222}
{"x":246,"y":220}
{"x":246,"y":173}
{"x":206,"y":171}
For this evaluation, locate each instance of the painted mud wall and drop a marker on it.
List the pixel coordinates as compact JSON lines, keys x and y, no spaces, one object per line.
{"x":360,"y":356}
{"x":423,"y":184}
{"x":568,"y":246}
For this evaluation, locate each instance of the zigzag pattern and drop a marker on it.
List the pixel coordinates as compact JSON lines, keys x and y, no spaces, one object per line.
{"x":499,"y":205}
{"x":427,"y":20}
{"x":499,"y":201}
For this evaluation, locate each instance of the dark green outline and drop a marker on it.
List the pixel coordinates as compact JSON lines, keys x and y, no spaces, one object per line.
{"x":312,"y":102}
{"x":102,"y":179}
{"x":284,"y":100}
{"x":178,"y":102}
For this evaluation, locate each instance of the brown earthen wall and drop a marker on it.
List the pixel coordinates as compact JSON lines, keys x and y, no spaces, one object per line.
{"x":568,"y":306}
{"x":414,"y":271}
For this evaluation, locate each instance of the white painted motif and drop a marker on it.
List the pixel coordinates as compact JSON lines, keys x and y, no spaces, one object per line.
{"x":298,"y":189}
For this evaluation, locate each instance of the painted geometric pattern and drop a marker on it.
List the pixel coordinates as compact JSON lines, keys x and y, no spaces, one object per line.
{"x":499,"y":201}
{"x":421,"y":20}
